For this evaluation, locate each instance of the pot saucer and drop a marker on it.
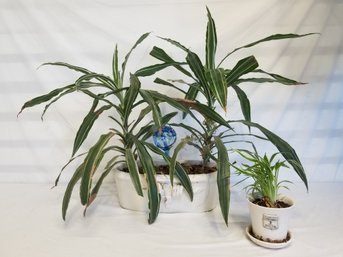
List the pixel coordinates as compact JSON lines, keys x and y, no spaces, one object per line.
{"x":268,"y":244}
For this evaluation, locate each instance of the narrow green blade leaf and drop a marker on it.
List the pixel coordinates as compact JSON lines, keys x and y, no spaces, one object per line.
{"x":173,"y":160}
{"x":171,"y":101}
{"x":67,"y":195}
{"x":198,"y":69}
{"x":218,"y":86}
{"x":223,"y":178}
{"x":211,"y":42}
{"x":166,"y":83}
{"x":204,"y":110}
{"x":44,"y":98}
{"x":280,"y":79}
{"x":149,"y":169}
{"x":69,"y":66}
{"x":244,"y":102}
{"x":90,"y":165}
{"x":131,"y":96}
{"x":156,"y":112}
{"x":115,"y":68}
{"x":175,"y":43}
{"x":152,"y":69}
{"x":180,"y":173}
{"x":269,"y":38}
{"x":140,"y":40}
{"x":285,"y":149}
{"x":133,"y":170}
{"x":243,"y":66}
{"x":87,"y":125}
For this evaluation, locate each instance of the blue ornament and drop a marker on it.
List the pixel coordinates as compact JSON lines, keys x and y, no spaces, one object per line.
{"x":164,"y":138}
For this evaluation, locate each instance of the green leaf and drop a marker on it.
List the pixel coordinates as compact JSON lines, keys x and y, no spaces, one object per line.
{"x":149,"y":169}
{"x":67,"y":195}
{"x":115,"y":69}
{"x":92,"y":159}
{"x":44,"y":98}
{"x":205,"y":111}
{"x":152,"y":69}
{"x":131,"y":96}
{"x":160,"y":54}
{"x":87,"y":125}
{"x":198,"y":69}
{"x":98,"y":184}
{"x":285,"y":149}
{"x":173,"y":161}
{"x":69,"y":66}
{"x":175,"y":43}
{"x":171,"y":101}
{"x":242,"y":67}
{"x":133,"y":170}
{"x":211,"y":41}
{"x":244,"y":102}
{"x":269,"y":38}
{"x":156,"y":112}
{"x":218,"y":86}
{"x":166,"y":83}
{"x":180,"y":173}
{"x":107,"y":82}
{"x":280,"y":79}
{"x":223,"y":178}
{"x":140,"y":40}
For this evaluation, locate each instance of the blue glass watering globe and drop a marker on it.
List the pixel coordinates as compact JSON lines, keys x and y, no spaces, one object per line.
{"x":164,"y":138}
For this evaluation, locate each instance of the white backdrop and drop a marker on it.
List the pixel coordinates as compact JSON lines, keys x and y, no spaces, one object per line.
{"x":84,"y":33}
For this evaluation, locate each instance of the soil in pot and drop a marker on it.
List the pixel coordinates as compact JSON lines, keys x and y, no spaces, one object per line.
{"x":189,"y":168}
{"x":266,"y":203}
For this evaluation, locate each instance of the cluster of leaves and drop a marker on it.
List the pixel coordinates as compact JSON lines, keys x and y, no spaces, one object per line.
{"x":212,"y":82}
{"x":264,"y":171}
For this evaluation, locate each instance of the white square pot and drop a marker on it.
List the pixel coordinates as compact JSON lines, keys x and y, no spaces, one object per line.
{"x":270,"y":223}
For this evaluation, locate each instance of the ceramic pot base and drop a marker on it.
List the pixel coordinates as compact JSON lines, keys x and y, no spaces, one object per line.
{"x":266,"y":244}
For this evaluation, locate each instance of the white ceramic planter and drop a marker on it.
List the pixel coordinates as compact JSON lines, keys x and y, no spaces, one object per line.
{"x":173,"y":199}
{"x":270,"y":223}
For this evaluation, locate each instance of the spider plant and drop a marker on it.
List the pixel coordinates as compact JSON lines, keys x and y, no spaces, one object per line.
{"x":208,"y":85}
{"x":264,"y":171}
{"x":120,"y":99}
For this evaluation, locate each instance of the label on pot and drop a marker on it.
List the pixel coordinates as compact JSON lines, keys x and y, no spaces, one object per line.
{"x":270,"y":222}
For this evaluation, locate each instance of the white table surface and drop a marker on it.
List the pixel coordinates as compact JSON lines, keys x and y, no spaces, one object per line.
{"x":31,"y":225}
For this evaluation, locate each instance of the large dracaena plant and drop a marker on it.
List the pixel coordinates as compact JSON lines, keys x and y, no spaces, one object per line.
{"x":122,"y":102}
{"x":212,"y":82}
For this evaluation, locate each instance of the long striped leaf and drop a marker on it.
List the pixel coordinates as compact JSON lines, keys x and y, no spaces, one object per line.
{"x":91,"y":162}
{"x":87,"y":125}
{"x":69,"y":66}
{"x":44,"y":98}
{"x":269,"y":38}
{"x":131,"y":96}
{"x":152,"y":69}
{"x":173,"y":160}
{"x":180,"y":173}
{"x":244,"y":102}
{"x":115,"y":69}
{"x":133,"y":170}
{"x":218,"y":86}
{"x":171,"y":101}
{"x":69,"y":190}
{"x":207,"y":112}
{"x":280,"y":79}
{"x":242,"y":67}
{"x":161,"y":55}
{"x":166,"y":83}
{"x":107,"y":82}
{"x":175,"y":43}
{"x":198,"y":69}
{"x":140,"y":40}
{"x":149,"y":169}
{"x":211,"y":41}
{"x":223,"y":178}
{"x":98,"y":184}
{"x":156,"y":112}
{"x":285,"y":149}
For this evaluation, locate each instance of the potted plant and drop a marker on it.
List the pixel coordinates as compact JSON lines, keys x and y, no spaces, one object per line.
{"x":208,"y":85}
{"x":124,"y":142}
{"x":269,"y":210}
